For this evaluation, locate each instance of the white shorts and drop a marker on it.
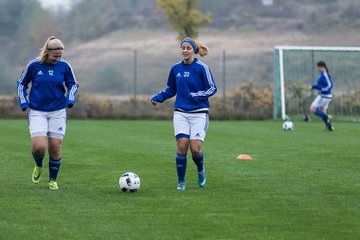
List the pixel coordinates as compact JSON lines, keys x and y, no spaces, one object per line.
{"x":51,"y":124}
{"x":321,"y":102}
{"x":191,"y":125}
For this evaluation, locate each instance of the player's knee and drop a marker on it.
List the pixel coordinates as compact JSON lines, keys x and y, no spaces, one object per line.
{"x":182,"y":146}
{"x":38,"y":148}
{"x":182,"y":149}
{"x":312,"y":109}
{"x":55,"y":153}
{"x":55,"y":150}
{"x":196,"y":152}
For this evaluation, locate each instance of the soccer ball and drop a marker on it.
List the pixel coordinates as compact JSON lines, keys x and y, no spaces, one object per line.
{"x":129,"y":182}
{"x":288,"y":126}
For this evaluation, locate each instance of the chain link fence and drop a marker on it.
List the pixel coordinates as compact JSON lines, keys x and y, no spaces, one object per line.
{"x":143,"y":72}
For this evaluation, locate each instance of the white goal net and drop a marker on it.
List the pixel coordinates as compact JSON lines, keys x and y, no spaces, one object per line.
{"x":295,"y":70}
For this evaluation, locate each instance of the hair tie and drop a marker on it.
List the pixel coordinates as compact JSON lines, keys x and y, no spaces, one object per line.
{"x":58,"y":48}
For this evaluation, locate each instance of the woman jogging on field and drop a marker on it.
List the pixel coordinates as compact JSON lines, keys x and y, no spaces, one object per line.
{"x":48,"y":75}
{"x":192,"y":82}
{"x":321,"y":103}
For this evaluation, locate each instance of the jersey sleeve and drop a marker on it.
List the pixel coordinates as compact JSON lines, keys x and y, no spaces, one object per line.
{"x":318,"y":83}
{"x":208,"y":83}
{"x":315,"y":86}
{"x":71,"y":84}
{"x":22,"y":86}
{"x":170,"y":91}
{"x":326,"y":82}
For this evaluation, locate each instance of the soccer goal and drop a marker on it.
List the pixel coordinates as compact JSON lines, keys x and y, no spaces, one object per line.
{"x":295,"y":70}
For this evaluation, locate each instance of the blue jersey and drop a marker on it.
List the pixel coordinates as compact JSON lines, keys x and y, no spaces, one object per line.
{"x":192,"y":84}
{"x":324,"y":84}
{"x":48,"y":83}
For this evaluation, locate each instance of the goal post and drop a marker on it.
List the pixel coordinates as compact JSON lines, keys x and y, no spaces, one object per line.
{"x":295,"y":70}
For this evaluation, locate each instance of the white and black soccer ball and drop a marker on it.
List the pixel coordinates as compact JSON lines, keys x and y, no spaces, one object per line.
{"x":288,"y":126}
{"x":129,"y":182}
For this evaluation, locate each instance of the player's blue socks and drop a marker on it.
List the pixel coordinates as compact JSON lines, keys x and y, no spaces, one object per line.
{"x":181,"y":166}
{"x":38,"y":159}
{"x":199,"y":161}
{"x":54,"y":166}
{"x":321,"y":114}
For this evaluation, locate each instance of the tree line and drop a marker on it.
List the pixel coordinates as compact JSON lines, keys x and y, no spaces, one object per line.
{"x":24,"y":24}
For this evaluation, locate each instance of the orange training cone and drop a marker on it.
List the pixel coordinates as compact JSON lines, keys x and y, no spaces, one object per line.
{"x":244,"y":157}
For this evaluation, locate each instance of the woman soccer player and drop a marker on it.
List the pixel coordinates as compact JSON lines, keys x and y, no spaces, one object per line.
{"x":48,"y":74}
{"x":324,"y":86}
{"x":192,"y":81}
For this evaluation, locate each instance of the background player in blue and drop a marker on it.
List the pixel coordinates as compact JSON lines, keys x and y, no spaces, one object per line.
{"x":192,"y":82}
{"x":324,"y":85}
{"x":48,"y":75}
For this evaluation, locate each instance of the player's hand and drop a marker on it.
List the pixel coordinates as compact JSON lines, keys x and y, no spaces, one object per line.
{"x":155,"y":99}
{"x":24,"y":106}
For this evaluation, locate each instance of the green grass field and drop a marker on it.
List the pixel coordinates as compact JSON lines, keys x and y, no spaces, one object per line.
{"x":303,"y":184}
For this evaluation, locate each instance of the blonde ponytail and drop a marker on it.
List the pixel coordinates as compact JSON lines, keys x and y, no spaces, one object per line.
{"x":202,"y":49}
{"x":52,"y":43}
